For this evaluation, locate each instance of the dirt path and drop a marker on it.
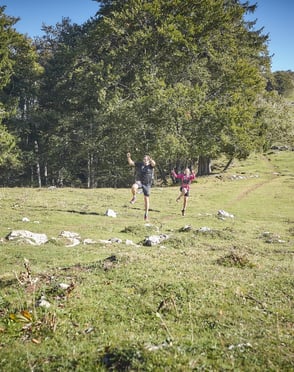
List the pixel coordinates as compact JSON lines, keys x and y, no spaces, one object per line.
{"x":272,"y":176}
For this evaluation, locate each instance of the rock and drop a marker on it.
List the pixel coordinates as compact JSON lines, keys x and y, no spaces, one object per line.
{"x":64,"y":286}
{"x":240,"y":346}
{"x":223,"y":214}
{"x":27,"y":237}
{"x":110,"y":262}
{"x":130,"y":242}
{"x":110,"y":213}
{"x":42,"y":302}
{"x":72,"y":238}
{"x":89,"y":241}
{"x":69,"y":235}
{"x":237,"y":177}
{"x":154,"y":239}
{"x":115,"y":240}
{"x":186,"y":228}
{"x":204,"y":229}
{"x":110,"y":241}
{"x":272,"y":238}
{"x":280,"y":148}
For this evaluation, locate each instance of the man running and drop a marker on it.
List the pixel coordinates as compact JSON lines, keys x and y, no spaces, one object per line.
{"x":144,"y":176}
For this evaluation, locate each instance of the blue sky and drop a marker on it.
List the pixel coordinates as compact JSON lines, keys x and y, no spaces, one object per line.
{"x":34,"y":13}
{"x":276,"y":16}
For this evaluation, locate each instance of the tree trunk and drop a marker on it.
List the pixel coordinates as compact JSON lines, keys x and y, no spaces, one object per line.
{"x":90,"y":176}
{"x":38,"y":164}
{"x":204,"y":166}
{"x":89,"y":171}
{"x":228,"y":164}
{"x":162,"y":175}
{"x":46,"y":174}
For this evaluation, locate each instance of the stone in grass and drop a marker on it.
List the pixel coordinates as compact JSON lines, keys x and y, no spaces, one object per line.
{"x":110,"y":213}
{"x":26,"y":236}
{"x":272,"y":238}
{"x":42,"y":302}
{"x":71,"y":238}
{"x":155,"y":239}
{"x":185,"y":228}
{"x":223,"y":214}
{"x":110,"y":262}
{"x":204,"y":229}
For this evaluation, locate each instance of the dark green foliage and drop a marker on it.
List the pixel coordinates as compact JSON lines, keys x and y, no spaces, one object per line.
{"x":19,"y":71}
{"x":184,"y":81}
{"x":283,"y":82}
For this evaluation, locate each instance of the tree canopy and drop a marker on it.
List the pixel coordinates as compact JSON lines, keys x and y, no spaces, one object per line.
{"x":18,"y":62}
{"x":186,"y":81}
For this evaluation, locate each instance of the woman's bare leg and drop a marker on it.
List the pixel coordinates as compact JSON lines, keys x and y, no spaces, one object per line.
{"x":185,"y":205}
{"x":183,"y":192}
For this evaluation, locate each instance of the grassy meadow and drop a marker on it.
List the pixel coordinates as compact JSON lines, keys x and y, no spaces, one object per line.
{"x":216,"y":295}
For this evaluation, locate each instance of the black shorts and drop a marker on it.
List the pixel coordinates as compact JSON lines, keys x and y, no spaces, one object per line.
{"x":188,"y":191}
{"x":145,"y":188}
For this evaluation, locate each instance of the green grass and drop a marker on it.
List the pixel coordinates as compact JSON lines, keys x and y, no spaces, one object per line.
{"x":216,"y":300}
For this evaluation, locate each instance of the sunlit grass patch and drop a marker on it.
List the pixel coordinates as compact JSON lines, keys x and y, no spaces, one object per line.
{"x":214,"y":295}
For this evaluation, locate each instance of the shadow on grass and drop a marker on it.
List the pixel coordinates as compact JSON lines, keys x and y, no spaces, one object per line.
{"x":85,"y":212}
{"x":82,"y":212}
{"x":7,"y":283}
{"x":68,"y":211}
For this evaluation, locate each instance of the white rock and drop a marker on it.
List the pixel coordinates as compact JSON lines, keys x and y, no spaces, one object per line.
{"x":155,"y":239}
{"x":43,"y":303}
{"x":69,"y":234}
{"x":73,"y":242}
{"x":115,"y":240}
{"x":89,"y":241}
{"x":72,"y":237}
{"x":129,"y":242}
{"x":27,"y":236}
{"x":223,"y":214}
{"x":64,"y":285}
{"x":110,"y":213}
{"x":204,"y":229}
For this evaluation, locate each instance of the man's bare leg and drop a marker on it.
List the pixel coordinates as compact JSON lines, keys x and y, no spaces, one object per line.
{"x":146,"y":205}
{"x":134,"y":190}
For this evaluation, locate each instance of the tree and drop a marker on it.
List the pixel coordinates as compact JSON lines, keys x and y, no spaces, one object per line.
{"x":182,"y":80}
{"x":7,"y":35}
{"x":283,"y":82}
{"x":70,"y":101}
{"x":11,"y":58}
{"x":206,"y":50}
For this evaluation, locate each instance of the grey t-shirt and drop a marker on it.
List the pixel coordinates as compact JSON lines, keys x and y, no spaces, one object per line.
{"x":144,"y":173}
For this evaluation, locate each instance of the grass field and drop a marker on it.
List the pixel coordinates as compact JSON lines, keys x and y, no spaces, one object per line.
{"x":216,"y":295}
